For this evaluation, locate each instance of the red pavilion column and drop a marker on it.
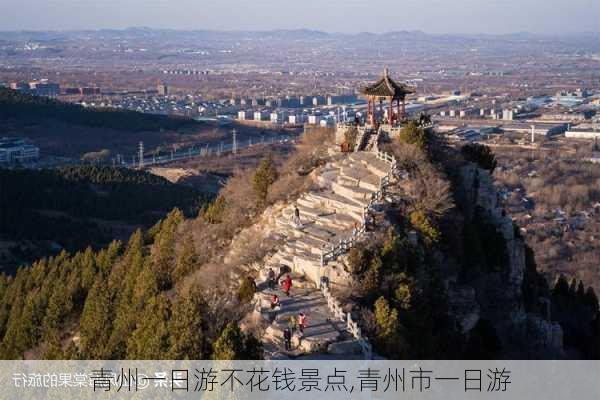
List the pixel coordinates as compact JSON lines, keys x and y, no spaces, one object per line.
{"x":403,"y":110}
{"x":390,"y":111}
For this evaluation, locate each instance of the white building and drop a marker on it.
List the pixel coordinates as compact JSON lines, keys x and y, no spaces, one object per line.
{"x":279,"y":117}
{"x":314,"y":119}
{"x":508,"y":115}
{"x":297,"y":119}
{"x":244,"y":115}
{"x":583,"y":134}
{"x":261,"y":115}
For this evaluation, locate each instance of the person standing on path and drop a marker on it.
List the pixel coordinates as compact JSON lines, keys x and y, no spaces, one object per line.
{"x":287,"y":337}
{"x":301,"y":323}
{"x":275,"y":302}
{"x":296,"y":220}
{"x":271,"y":278}
{"x":287,"y":285}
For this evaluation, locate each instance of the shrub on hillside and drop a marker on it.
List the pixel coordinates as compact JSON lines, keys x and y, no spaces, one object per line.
{"x":423,"y":225}
{"x":413,"y":134}
{"x":264,"y":176}
{"x":481,"y":155}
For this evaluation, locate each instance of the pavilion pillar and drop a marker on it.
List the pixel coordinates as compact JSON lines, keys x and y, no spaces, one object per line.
{"x":390,"y":111}
{"x":403,"y":110}
{"x":398,"y":111}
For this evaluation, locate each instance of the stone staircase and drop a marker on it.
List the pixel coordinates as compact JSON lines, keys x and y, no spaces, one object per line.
{"x":328,"y":215}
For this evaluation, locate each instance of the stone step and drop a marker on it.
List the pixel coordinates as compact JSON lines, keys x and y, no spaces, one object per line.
{"x":356,"y":193}
{"x":337,"y":202}
{"x":372,"y":163}
{"x":310,"y":244}
{"x":372,"y":187}
{"x":306,"y":212}
{"x":357,"y":175}
{"x":344,"y":222}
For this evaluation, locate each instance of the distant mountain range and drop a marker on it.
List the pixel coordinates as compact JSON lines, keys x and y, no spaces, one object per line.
{"x":285,"y":34}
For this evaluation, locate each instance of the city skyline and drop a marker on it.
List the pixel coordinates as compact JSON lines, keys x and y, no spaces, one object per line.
{"x":460,"y":17}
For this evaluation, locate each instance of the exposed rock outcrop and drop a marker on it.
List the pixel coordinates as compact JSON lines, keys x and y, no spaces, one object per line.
{"x":498,"y":295}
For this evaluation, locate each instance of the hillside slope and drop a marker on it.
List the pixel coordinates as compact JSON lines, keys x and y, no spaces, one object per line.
{"x":73,"y":207}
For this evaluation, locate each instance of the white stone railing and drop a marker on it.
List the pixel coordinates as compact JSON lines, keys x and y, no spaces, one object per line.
{"x":352,"y":326}
{"x":344,"y":245}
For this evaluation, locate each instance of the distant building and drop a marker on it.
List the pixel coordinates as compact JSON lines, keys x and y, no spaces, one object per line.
{"x":583,"y":134}
{"x":162,"y":89}
{"x":569,"y":116}
{"x":260,"y":115}
{"x":279,"y":117}
{"x":244,"y":115}
{"x":297,"y":119}
{"x":19,"y":86}
{"x":14,"y":150}
{"x":469,"y":112}
{"x":37,"y":87}
{"x":508,"y":115}
{"x":89,"y":91}
{"x":318,"y":100}
{"x":314,"y":119}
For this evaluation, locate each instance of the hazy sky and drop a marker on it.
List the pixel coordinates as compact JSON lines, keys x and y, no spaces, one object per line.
{"x":435,"y":16}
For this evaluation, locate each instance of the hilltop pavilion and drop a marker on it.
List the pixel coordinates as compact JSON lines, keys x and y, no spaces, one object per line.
{"x":386,"y":89}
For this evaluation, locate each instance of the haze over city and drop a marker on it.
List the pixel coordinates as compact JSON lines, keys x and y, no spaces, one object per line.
{"x":351,"y":16}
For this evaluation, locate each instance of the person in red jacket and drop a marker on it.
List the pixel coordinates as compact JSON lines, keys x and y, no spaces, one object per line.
{"x":301,"y":322}
{"x":287,"y":285}
{"x":275,"y":302}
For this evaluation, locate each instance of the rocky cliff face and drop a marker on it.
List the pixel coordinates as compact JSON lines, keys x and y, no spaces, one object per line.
{"x":497,"y":296}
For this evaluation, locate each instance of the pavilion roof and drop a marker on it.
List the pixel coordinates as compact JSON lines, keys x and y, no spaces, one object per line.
{"x":386,"y":87}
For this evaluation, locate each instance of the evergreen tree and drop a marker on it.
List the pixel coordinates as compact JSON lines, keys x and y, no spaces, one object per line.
{"x":95,"y":322}
{"x":591,"y":300}
{"x":388,"y":339}
{"x":230,"y":345}
{"x":187,"y":259}
{"x":124,"y":278}
{"x":423,"y":224}
{"x":13,"y":342}
{"x":163,"y":249}
{"x":213,"y":213}
{"x":264,"y":176}
{"x":150,"y":339}
{"x":403,"y":294}
{"x":52,"y":347}
{"x":30,"y":323}
{"x":253,"y":348}
{"x":580,"y":292}
{"x":413,"y":134}
{"x":561,"y":287}
{"x":187,"y":339}
{"x":480,"y":154}
{"x":59,"y":306}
